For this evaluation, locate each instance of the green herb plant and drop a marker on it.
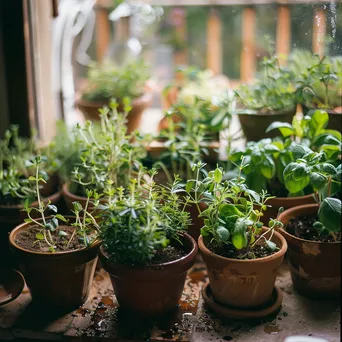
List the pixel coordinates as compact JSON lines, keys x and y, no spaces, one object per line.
{"x":141,"y":220}
{"x":230,"y":221}
{"x":108,"y":81}
{"x":312,"y":167}
{"x":273,"y":92}
{"x":110,"y":155}
{"x":85,"y":223}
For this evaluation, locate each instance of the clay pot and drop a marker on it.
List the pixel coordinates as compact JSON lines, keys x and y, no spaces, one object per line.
{"x":60,"y":279}
{"x":243,"y":283}
{"x":13,"y":215}
{"x":315,"y":266}
{"x":286,"y":203}
{"x":335,"y":117}
{"x":151,"y":291}
{"x":51,"y":186}
{"x":255,"y":125}
{"x":90,"y":110}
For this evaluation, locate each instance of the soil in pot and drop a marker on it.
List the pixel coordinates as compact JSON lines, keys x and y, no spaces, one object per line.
{"x":243,"y":283}
{"x":314,"y":261}
{"x":160,"y":284}
{"x":61,"y":279}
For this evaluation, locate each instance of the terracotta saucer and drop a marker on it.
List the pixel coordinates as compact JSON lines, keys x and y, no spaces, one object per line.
{"x":236,"y":313}
{"x":11,"y":285}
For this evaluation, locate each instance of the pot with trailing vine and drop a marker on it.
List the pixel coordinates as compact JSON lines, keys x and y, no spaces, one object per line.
{"x":318,"y":84}
{"x":57,"y":255}
{"x":313,"y":231}
{"x":241,"y":255}
{"x":144,"y":247}
{"x":265,"y":163}
{"x":107,"y":81}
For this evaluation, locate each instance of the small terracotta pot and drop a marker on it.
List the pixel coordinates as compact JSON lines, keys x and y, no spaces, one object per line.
{"x":60,"y":279}
{"x":13,"y":215}
{"x":151,"y":291}
{"x":255,"y":125}
{"x":69,"y":197}
{"x":335,"y":117}
{"x":286,"y":203}
{"x":90,"y":110}
{"x":243,"y":283}
{"x":51,"y":186}
{"x":315,"y":266}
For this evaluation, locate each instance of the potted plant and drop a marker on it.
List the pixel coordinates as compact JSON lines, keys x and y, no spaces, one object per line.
{"x":318,"y":84}
{"x":15,"y":187}
{"x":266,"y":159}
{"x":270,"y":98}
{"x":107,"y":155}
{"x":241,"y":255}
{"x":56,"y":254}
{"x":145,"y":247}
{"x":313,"y":232}
{"x":106,"y":81}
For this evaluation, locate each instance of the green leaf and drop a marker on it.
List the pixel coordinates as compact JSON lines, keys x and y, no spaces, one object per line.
{"x":218,"y":175}
{"x":32,"y":178}
{"x":297,"y":127}
{"x":285,"y":128}
{"x":267,"y":167}
{"x":52,"y":207}
{"x":298,"y":151}
{"x":271,"y":245}
{"x":40,"y":236}
{"x":62,"y":233}
{"x":320,"y":119}
{"x":223,"y":233}
{"x":329,"y":214}
{"x":318,"y":180}
{"x":61,"y":217}
{"x":189,"y":185}
{"x":239,"y":240}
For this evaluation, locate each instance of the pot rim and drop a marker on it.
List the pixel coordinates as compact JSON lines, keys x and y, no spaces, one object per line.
{"x":275,"y":255}
{"x":299,"y":208}
{"x":145,"y":97}
{"x":24,"y":225}
{"x":272,"y":112}
{"x":278,"y":199}
{"x":193,"y":251}
{"x":54,"y":196}
{"x":67,"y":192}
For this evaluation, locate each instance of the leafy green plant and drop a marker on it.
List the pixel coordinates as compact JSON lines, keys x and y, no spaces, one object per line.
{"x":85,"y":223}
{"x":15,"y":168}
{"x":274,"y":92}
{"x":311,"y":167}
{"x":318,"y":80}
{"x":108,"y":80}
{"x":266,"y":160}
{"x":140,"y":220}
{"x":108,"y":156}
{"x":230,"y":221}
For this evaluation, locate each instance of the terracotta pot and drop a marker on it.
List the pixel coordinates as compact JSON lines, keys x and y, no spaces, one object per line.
{"x":90,"y":110}
{"x":13,"y":215}
{"x":286,"y":203}
{"x":335,"y":117}
{"x":51,"y":186}
{"x":255,"y":125}
{"x":243,"y":283}
{"x":60,"y":279}
{"x":315,"y":266}
{"x":151,"y":291}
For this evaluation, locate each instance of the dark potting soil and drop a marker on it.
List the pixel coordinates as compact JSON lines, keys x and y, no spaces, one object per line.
{"x":229,"y":251}
{"x":167,"y":254}
{"x":27,"y":239}
{"x":302,"y":227}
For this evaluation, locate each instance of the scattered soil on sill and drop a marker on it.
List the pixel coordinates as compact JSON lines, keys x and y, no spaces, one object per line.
{"x":229,"y":251}
{"x":302,"y":227}
{"x":167,"y":254}
{"x":27,"y":238}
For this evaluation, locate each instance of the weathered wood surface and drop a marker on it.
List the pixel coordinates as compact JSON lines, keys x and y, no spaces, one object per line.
{"x":100,"y":319}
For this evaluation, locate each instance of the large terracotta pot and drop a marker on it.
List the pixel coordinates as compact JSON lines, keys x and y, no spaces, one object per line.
{"x":243,"y":283}
{"x":315,"y":266}
{"x":60,"y":279}
{"x":255,"y":125}
{"x":286,"y":203}
{"x":13,"y":215}
{"x":335,"y":117}
{"x":151,"y":291}
{"x":90,"y":110}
